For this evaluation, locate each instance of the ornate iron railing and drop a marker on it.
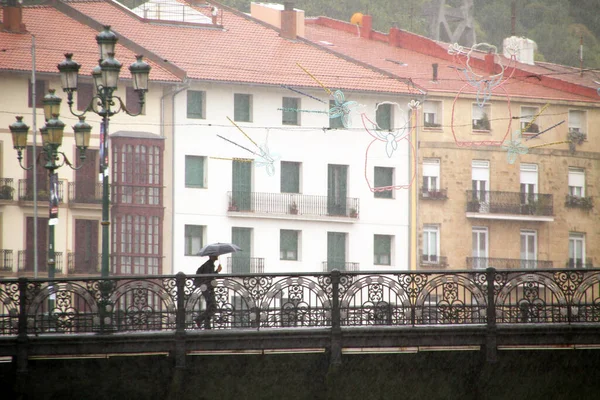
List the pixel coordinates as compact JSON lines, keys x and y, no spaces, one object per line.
{"x":6,"y":260}
{"x":85,"y":192}
{"x":342,"y":266}
{"x":270,"y":301}
{"x":434,"y":194}
{"x":494,"y":202}
{"x":43,"y":192}
{"x":82,"y":263}
{"x":506,"y":263}
{"x":7,"y":188}
{"x":292,"y":204}
{"x":26,"y":263}
{"x":245,"y":265}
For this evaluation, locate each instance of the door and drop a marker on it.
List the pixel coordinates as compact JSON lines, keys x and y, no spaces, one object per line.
{"x":85,"y":178}
{"x":528,"y":249}
{"x":41,"y":176}
{"x":480,"y":247}
{"x":42,"y":245}
{"x":86,"y":246}
{"x":529,"y":184}
{"x":336,"y":251}
{"x":240,"y":261}
{"x":337,"y":182}
{"x":480,"y":177}
{"x":242,"y":185}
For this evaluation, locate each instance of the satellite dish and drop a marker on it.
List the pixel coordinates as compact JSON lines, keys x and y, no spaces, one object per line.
{"x":357,"y":19}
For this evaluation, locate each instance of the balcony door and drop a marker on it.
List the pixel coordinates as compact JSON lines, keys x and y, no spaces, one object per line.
{"x":240,"y":261}
{"x":42,"y":245}
{"x":529,"y":183}
{"x":86,"y":178}
{"x":41,"y":174}
{"x":242,"y":185}
{"x":337,"y":184}
{"x":480,"y":247}
{"x":336,"y":251}
{"x":86,"y":246}
{"x":528,"y":249}
{"x":480,"y":178}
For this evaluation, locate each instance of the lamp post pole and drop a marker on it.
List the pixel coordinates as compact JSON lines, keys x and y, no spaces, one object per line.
{"x":105,"y":104}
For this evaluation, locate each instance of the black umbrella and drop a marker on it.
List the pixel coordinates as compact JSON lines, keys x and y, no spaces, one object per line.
{"x":217,"y":249}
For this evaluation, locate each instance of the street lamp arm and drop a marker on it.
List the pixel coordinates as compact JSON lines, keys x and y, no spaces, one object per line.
{"x":20,"y":158}
{"x":68,"y":162}
{"x":123,"y":107}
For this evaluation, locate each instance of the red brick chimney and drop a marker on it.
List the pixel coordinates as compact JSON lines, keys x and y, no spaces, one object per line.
{"x":489,"y":63}
{"x":394,"y":37}
{"x":367,"y":27}
{"x":12,"y":18}
{"x":288,"y":21}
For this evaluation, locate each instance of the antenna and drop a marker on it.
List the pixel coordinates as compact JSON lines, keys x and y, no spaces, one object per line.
{"x":581,"y":56}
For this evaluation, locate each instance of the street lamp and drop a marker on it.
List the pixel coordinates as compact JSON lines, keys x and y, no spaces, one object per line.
{"x":106,"y":77}
{"x":52,"y":135}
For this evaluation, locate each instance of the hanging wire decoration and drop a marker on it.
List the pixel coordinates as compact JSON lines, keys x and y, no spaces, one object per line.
{"x":484,"y":85}
{"x":342,"y":109}
{"x":304,"y":94}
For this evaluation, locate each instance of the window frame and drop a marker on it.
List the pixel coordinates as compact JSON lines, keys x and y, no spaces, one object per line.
{"x":535,"y":127}
{"x":192,"y":114}
{"x":430,"y":164}
{"x":483,"y":123}
{"x":238,"y":116}
{"x":575,"y":174}
{"x":188,"y":238}
{"x":378,"y":255}
{"x":434,"y":109}
{"x":290,"y":117}
{"x":576,"y":237}
{"x":428,"y":231}
{"x":582,"y":126}
{"x":384,"y":194}
{"x":379,"y":115}
{"x":293,"y":247}
{"x":203,"y":184}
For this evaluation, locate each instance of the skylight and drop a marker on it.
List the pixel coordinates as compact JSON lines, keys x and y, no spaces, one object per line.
{"x":170,"y":10}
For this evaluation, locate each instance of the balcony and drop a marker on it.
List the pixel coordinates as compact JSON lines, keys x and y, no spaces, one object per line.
{"x":434,"y":194}
{"x":25,"y":261}
{"x":584,"y":203}
{"x":43,"y":194}
{"x":245,"y":265}
{"x":433,"y":261}
{"x":510,"y":206}
{"x":506,"y":263}
{"x":7,"y":190}
{"x":81,"y":193}
{"x":6,"y":260}
{"x":342,"y":266}
{"x":579,"y":264}
{"x":291,"y":205}
{"x":82,"y":263}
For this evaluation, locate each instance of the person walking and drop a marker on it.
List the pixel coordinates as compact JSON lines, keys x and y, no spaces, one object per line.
{"x":208,"y":291}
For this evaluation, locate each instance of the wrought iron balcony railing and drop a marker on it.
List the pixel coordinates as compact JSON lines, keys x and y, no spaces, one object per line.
{"x":292,"y":204}
{"x":571,"y":263}
{"x":434,"y":194}
{"x":516,"y":203}
{"x":43,"y":193}
{"x":585,"y":203}
{"x":146,"y":195}
{"x":433,"y":261}
{"x":6,"y":260}
{"x":85,"y":192}
{"x":506,"y":263}
{"x":479,"y":299}
{"x":82,"y":263}
{"x":329,"y":266}
{"x":245,"y":265}
{"x":25,"y":261}
{"x":7,"y":189}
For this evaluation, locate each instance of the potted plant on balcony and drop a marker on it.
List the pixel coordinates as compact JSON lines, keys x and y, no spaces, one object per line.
{"x":293,"y":208}
{"x":586,"y":203}
{"x":6,"y":192}
{"x":473,"y":206}
{"x":232,"y":206}
{"x":353,"y":213}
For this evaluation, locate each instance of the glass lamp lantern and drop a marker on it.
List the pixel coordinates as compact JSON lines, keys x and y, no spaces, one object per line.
{"x":110,"y":71}
{"x":107,"y":41}
{"x":69,"y":70}
{"x":55,"y":130}
{"x":140,"y":70}
{"x":51,"y":104}
{"x":82,"y":134}
{"x":19,"y":132}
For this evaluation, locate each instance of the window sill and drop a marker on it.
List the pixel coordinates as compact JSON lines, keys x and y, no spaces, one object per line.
{"x":482,"y":132}
{"x":433,"y":128}
{"x":195,"y":187}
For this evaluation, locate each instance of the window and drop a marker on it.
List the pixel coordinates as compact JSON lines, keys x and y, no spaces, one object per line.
{"x":384,"y":117}
{"x":528,"y":249}
{"x":290,"y":113}
{"x":480,"y":247}
{"x":382,"y":249}
{"x":196,"y":101}
{"x":136,"y":173}
{"x":242,"y":107}
{"x":132,"y":100}
{"x":85,"y":93}
{"x":527,"y":116}
{"x":290,"y":177}
{"x":41,"y":87}
{"x":481,"y":117}
{"x":431,"y":176}
{"x":288,"y":244}
{"x":529,"y":183}
{"x":431,"y":243}
{"x":432,"y":116}
{"x":576,"y":250}
{"x":194,"y":239}
{"x":384,"y":177}
{"x":577,"y":182}
{"x":480,"y":178}
{"x":577,"y":121}
{"x":136,"y":244}
{"x":335,"y":123}
{"x":194,"y":171}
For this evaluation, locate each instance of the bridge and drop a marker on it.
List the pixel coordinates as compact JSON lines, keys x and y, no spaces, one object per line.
{"x":333,"y":314}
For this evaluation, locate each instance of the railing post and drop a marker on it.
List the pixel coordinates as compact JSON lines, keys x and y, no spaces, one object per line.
{"x":336,"y":330}
{"x":491,"y":339}
{"x":180,"y":313}
{"x":22,"y":339}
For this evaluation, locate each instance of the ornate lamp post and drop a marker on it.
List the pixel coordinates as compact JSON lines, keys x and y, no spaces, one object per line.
{"x":52,"y":135}
{"x":105,"y":104}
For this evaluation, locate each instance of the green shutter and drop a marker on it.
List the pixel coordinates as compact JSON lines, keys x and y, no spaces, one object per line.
{"x":335,"y":123}
{"x":288,"y":244}
{"x":383,"y":117}
{"x":195,"y":104}
{"x":290,"y":114}
{"x":242,"y":185}
{"x":242,"y":106}
{"x":384,"y":177}
{"x":194,"y":171}
{"x":241,"y":260}
{"x":290,"y":177}
{"x":336,"y":251}
{"x":337,"y":181}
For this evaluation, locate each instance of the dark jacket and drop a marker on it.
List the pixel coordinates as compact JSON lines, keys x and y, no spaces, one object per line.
{"x":205,"y":269}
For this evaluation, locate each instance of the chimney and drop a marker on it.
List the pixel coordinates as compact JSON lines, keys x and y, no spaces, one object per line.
{"x":434,"y":78}
{"x":288,"y":21}
{"x":394,"y":37}
{"x":489,"y":64}
{"x":12,"y":17}
{"x":367,"y":27}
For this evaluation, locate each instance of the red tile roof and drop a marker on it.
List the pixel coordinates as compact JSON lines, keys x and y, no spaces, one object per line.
{"x":244,"y":51}
{"x":52,"y":40}
{"x":416,"y":55}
